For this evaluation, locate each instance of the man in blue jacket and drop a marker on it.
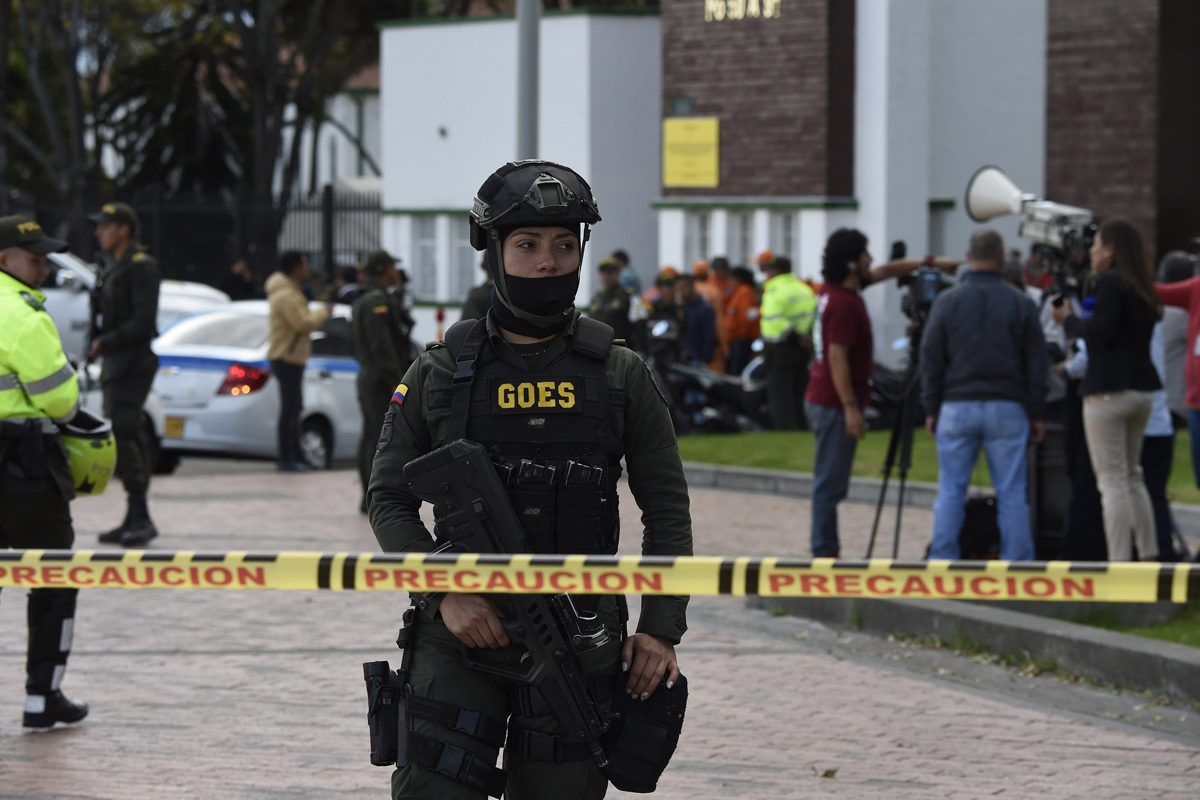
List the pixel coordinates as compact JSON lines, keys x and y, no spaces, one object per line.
{"x":983,"y":384}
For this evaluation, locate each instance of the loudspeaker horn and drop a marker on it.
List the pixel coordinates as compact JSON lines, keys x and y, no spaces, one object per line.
{"x":990,"y":193}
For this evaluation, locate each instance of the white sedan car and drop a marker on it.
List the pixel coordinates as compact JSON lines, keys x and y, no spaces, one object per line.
{"x":215,"y":385}
{"x":72,"y":279}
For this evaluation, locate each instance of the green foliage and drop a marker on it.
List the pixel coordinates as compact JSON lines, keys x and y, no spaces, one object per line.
{"x":1184,"y":629}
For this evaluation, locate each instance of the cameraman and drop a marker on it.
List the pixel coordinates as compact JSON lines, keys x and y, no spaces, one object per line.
{"x":839,"y":385}
{"x":983,"y":383}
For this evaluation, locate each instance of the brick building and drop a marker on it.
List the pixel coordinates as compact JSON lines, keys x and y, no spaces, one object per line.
{"x":875,"y":114}
{"x":1122,"y":113}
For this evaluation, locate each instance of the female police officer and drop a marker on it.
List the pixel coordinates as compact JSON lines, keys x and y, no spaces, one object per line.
{"x":533,"y":218}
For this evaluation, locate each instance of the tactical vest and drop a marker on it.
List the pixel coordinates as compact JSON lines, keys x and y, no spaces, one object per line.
{"x":549,"y":434}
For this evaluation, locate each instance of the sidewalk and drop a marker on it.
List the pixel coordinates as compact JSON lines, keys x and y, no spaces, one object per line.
{"x":222,"y":694}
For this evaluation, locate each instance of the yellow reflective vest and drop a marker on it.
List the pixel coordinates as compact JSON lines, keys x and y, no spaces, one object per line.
{"x":788,"y":304}
{"x":35,"y":378}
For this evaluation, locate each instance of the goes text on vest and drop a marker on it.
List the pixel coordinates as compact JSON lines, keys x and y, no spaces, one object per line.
{"x":545,"y":395}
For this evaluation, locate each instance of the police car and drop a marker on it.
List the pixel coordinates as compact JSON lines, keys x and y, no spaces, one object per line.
{"x":72,"y":279}
{"x":214,"y":382}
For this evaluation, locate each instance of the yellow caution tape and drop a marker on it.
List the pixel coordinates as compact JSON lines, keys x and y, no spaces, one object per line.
{"x":552,"y":574}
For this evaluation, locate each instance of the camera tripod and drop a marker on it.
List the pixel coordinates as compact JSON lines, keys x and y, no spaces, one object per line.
{"x":907,"y":413}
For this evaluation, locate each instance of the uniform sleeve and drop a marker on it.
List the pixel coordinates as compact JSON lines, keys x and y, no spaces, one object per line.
{"x":41,"y":366}
{"x":142,"y":324}
{"x":395,"y":511}
{"x":658,"y":484}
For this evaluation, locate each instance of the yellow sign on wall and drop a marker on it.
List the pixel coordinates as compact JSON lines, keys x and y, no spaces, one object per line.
{"x":691,"y":148}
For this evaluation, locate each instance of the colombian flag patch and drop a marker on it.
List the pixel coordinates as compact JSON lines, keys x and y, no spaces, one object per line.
{"x":380,"y":310}
{"x":398,"y":395}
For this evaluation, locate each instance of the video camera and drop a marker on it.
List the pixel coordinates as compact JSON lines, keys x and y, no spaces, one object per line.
{"x":1062,"y":235}
{"x":923,"y":284}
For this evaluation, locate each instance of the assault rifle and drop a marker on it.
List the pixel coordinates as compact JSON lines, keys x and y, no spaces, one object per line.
{"x":477,"y":516}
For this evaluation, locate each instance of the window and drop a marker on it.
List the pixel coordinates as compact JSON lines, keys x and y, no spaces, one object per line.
{"x":740,"y":237}
{"x":783,"y":234}
{"x":466,"y":261}
{"x":696,"y":239}
{"x":425,"y":256}
{"x":333,"y":338}
{"x":224,"y":330}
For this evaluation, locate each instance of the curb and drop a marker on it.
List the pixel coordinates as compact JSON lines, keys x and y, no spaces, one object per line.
{"x":917,"y":494}
{"x":1120,"y":659}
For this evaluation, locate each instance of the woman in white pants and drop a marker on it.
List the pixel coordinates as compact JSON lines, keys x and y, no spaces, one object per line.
{"x":1118,"y":322}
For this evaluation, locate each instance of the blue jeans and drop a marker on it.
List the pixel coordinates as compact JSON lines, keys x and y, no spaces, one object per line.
{"x":1001,"y":428}
{"x":832,"y":461}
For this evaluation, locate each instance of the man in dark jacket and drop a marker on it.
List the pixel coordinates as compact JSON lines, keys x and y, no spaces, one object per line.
{"x":983,"y":384}
{"x":126,"y":324}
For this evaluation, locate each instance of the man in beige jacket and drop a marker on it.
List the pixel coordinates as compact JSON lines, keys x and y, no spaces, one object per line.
{"x":290,"y":347}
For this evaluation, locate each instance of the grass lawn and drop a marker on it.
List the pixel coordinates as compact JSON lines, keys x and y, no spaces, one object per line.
{"x":793,"y":451}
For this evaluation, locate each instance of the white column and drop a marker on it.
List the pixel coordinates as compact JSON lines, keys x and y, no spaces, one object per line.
{"x":671,"y":233}
{"x":718,"y":233}
{"x":760,"y":236}
{"x":443,"y":256}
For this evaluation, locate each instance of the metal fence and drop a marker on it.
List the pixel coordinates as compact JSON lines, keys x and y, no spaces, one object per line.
{"x":198,"y":238}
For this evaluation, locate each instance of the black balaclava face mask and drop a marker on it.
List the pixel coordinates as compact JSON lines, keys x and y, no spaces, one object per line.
{"x":536,"y":307}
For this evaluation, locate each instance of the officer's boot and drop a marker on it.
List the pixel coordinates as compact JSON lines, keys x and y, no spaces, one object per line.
{"x":141,"y":530}
{"x":114,"y":536}
{"x":51,"y":628}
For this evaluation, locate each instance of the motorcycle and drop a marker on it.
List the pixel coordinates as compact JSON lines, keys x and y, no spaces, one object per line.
{"x":701,"y":400}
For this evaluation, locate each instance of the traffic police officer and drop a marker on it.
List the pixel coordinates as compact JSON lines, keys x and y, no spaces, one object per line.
{"x":381,"y":345}
{"x":38,"y":392}
{"x":128,"y":309}
{"x":788,"y":309}
{"x":528,"y":216}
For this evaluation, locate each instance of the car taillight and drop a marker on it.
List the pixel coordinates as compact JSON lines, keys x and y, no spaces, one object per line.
{"x":243,"y":379}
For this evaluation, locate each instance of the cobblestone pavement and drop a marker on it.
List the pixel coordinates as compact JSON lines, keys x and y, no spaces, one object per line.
{"x":221,"y":694}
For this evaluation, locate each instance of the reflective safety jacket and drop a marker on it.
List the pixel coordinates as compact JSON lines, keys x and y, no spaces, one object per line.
{"x":788,"y":304}
{"x":35,"y":378}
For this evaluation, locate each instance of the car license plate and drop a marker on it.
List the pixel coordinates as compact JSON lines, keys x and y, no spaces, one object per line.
{"x":173,"y":428}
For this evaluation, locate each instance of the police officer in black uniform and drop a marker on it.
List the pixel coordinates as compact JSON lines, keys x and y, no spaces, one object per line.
{"x":127,"y":323}
{"x":533,"y":218}
{"x":380,"y":326}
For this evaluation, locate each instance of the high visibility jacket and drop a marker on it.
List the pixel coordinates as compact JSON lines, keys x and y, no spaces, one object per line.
{"x":35,"y":378}
{"x":788,"y":304}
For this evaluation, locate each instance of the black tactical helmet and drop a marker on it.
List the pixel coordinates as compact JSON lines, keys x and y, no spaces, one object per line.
{"x":534,"y":193}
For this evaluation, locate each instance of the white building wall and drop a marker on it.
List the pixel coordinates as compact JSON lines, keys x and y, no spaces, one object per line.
{"x":943,"y":88}
{"x":626,"y":101}
{"x":337,"y":153}
{"x":598,"y":114}
{"x":988,"y":103}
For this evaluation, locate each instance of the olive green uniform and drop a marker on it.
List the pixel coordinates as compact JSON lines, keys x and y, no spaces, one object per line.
{"x":381,"y":346}
{"x":641,"y":422}
{"x":613,"y":307}
{"x":479,"y":300}
{"x":128,"y":313}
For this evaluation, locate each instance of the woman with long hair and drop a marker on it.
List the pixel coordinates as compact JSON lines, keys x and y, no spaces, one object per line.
{"x":1120,"y":382}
